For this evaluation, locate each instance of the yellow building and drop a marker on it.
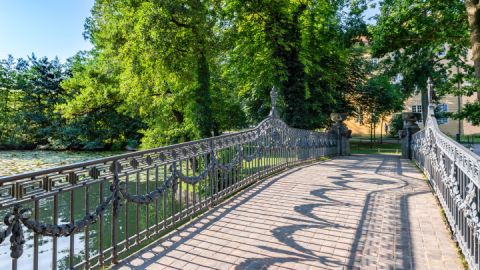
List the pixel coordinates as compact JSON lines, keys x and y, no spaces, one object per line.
{"x":448,"y":103}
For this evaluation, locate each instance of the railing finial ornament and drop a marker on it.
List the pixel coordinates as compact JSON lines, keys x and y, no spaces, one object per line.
{"x":273,"y":97}
{"x":431,"y":107}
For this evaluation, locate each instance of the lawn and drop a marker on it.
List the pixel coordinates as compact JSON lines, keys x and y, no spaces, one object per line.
{"x":386,"y":148}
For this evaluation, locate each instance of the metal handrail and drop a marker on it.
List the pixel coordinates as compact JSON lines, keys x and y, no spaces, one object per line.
{"x":454,"y":173}
{"x":112,"y":206}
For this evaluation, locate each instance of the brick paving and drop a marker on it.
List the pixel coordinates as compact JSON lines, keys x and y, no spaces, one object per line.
{"x":358,"y":212}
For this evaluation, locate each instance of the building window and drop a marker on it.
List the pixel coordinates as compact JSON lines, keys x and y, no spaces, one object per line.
{"x":417,"y":108}
{"x":441,"y":108}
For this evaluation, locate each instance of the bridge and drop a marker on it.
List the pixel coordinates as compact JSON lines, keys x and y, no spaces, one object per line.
{"x":272,"y":197}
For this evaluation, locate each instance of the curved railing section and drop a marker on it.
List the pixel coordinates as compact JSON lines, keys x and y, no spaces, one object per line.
{"x":90,"y":214}
{"x":454,"y":173}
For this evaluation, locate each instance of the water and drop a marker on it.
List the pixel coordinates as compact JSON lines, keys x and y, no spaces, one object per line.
{"x":128,"y":223}
{"x":14,"y":162}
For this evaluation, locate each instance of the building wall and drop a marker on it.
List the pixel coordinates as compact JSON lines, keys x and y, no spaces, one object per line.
{"x":448,"y":126}
{"x":364,"y":130}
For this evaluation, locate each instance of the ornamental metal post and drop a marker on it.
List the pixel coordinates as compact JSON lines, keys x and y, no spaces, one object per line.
{"x":342,"y":133}
{"x":410,"y":127}
{"x":273,"y":97}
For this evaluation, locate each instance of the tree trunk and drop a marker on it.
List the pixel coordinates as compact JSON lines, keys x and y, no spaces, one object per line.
{"x":294,"y":85}
{"x":473,"y":13}
{"x":203,"y":115}
{"x":381,"y":132}
{"x":371,"y":135}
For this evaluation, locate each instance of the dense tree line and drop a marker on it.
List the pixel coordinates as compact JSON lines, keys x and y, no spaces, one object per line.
{"x":33,"y":95}
{"x":164,"y":72}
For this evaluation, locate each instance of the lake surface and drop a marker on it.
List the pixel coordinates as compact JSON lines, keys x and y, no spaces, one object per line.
{"x":14,"y":162}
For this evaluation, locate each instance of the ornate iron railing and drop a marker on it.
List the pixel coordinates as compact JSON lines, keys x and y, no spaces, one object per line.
{"x":454,"y":173}
{"x":91,"y":214}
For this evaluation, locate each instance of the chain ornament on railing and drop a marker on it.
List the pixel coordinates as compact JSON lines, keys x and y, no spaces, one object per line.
{"x":270,"y":136}
{"x":14,"y":228}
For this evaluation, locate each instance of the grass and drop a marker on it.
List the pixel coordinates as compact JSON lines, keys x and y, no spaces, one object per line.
{"x":466,"y":139}
{"x":361,"y":147}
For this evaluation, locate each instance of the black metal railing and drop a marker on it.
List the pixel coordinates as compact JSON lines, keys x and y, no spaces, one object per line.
{"x":454,"y":173}
{"x":91,"y":214}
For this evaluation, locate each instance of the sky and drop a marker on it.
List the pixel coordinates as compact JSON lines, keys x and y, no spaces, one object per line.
{"x":45,"y":27}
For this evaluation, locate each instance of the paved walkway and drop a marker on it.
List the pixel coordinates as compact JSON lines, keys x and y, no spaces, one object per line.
{"x":360,"y":212}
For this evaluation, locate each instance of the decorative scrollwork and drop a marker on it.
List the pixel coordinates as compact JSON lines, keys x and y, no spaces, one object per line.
{"x":433,"y":146}
{"x":271,"y":136}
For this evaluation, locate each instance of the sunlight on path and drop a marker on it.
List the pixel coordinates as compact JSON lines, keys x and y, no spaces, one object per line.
{"x":359,"y":212}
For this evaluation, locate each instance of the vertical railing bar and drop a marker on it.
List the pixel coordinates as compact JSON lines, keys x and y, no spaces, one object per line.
{"x":147,"y":206}
{"x":72,"y":238}
{"x":54,"y":238}
{"x":200,"y":200}
{"x":116,"y":166}
{"x":229,"y":172}
{"x":35,"y":236}
{"x":86,"y":230}
{"x":127,"y":204}
{"x":100,"y":228}
{"x":165,"y":198}
{"x":137,"y":209}
{"x":156,"y":201}
{"x":194,"y":186}
{"x":180,"y":187}
{"x":172,"y":203}
{"x":187,"y":187}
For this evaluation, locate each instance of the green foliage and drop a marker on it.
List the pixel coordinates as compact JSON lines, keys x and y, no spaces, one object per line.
{"x":378,"y":98}
{"x":422,"y":39}
{"x":470,"y":112}
{"x":164,"y":72}
{"x":37,"y":109}
{"x":396,"y":124}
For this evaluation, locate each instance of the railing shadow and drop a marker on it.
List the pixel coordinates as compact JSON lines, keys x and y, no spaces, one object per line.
{"x":213,"y":215}
{"x":294,"y":250}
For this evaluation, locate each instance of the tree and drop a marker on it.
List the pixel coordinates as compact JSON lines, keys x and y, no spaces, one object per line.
{"x":422,"y":39}
{"x":473,"y":13}
{"x":376,"y":99}
{"x":163,"y":54}
{"x":297,"y":46}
